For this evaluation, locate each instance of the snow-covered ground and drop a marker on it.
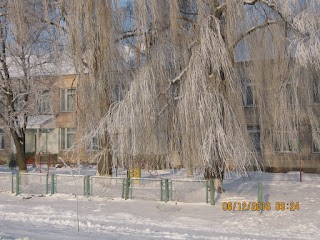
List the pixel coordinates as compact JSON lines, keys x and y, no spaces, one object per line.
{"x":58,"y":216}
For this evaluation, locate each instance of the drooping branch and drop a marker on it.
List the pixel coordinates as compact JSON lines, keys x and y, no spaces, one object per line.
{"x":274,"y":8}
{"x":253,"y":2}
{"x":220,"y":9}
{"x":251,"y":30}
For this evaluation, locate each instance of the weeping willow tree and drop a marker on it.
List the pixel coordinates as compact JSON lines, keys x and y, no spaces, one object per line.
{"x":164,"y":79}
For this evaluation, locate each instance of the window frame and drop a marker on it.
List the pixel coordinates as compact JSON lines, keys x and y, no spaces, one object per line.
{"x":251,"y":86}
{"x":44,"y":98}
{"x":314,"y":147}
{"x":282,"y":150}
{"x":2,"y":142}
{"x":2,"y":106}
{"x":64,"y":99}
{"x":64,"y":134}
{"x":315,"y":91}
{"x":254,"y":130}
{"x":290,"y":91}
{"x":91,"y":145}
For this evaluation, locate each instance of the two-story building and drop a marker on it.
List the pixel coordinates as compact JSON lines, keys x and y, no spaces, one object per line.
{"x":51,"y":126}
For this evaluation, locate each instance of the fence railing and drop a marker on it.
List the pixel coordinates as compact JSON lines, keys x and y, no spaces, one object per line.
{"x":145,"y":188}
{"x":110,"y":187}
{"x":32,"y":183}
{"x":7,"y":182}
{"x":191,"y":191}
{"x":69,"y":184}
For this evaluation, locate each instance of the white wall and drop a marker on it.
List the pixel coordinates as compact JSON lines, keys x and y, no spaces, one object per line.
{"x":48,"y":140}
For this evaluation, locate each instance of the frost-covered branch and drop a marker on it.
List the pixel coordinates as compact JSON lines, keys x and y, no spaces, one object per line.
{"x":251,"y":30}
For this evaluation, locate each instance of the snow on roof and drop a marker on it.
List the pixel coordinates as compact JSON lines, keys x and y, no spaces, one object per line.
{"x":41,"y":66}
{"x":41,"y":121}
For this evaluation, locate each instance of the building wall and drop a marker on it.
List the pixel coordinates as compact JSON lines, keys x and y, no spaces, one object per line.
{"x":49,"y":140}
{"x":6,"y":151}
{"x":290,"y":161}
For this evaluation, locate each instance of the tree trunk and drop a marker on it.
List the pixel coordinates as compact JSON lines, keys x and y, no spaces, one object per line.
{"x":217,"y":177}
{"x":20,"y":152}
{"x":105,"y":165}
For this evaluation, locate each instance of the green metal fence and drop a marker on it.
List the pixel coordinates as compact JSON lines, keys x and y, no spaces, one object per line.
{"x":69,"y":184}
{"x":192,"y":191}
{"x":260,"y":194}
{"x":32,"y":183}
{"x":101,"y":186}
{"x":165,"y":193}
{"x":7,"y":182}
{"x":145,"y":188}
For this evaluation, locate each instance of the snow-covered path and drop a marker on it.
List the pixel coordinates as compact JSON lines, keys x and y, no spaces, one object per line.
{"x":55,"y":217}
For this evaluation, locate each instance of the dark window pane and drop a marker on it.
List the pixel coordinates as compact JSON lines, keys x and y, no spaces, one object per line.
{"x":71,"y":138}
{"x":62,"y":100}
{"x":1,"y":139}
{"x":62,"y":138}
{"x":70,"y":102}
{"x":249,"y":96}
{"x":255,"y":139}
{"x":316,"y":91}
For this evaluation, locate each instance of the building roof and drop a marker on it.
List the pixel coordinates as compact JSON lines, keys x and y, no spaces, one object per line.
{"x":41,"y":121}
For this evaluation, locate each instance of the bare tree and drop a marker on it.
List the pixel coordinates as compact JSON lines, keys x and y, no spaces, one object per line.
{"x":27,"y":32}
{"x":184,"y":92}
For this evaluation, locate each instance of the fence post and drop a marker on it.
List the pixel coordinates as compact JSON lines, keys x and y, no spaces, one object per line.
{"x":126,"y":193}
{"x":125,"y":188}
{"x":260,"y":194}
{"x":161,"y":198}
{"x":167,"y":190}
{"x":207,"y":192}
{"x":17,"y":183}
{"x":130,"y":187}
{"x":171,"y":191}
{"x":52,"y":184}
{"x":212,"y":191}
{"x":86,"y":185}
{"x":47,"y":184}
{"x":123,"y":183}
{"x":164,"y":190}
{"x":12,"y":187}
{"x":91,"y":186}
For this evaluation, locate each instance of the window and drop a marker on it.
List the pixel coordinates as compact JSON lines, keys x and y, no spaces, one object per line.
{"x":282,"y":143}
{"x":248,"y":95}
{"x":2,"y":106}
{"x":118,"y":92}
{"x":19,"y":103}
{"x":254,"y":134}
{"x":316,"y":90}
{"x":67,"y":137}
{"x":67,"y":99}
{"x":290,"y":93}
{"x":1,"y":139}
{"x":93,"y":144}
{"x":44,"y":102}
{"x":316,"y":146}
